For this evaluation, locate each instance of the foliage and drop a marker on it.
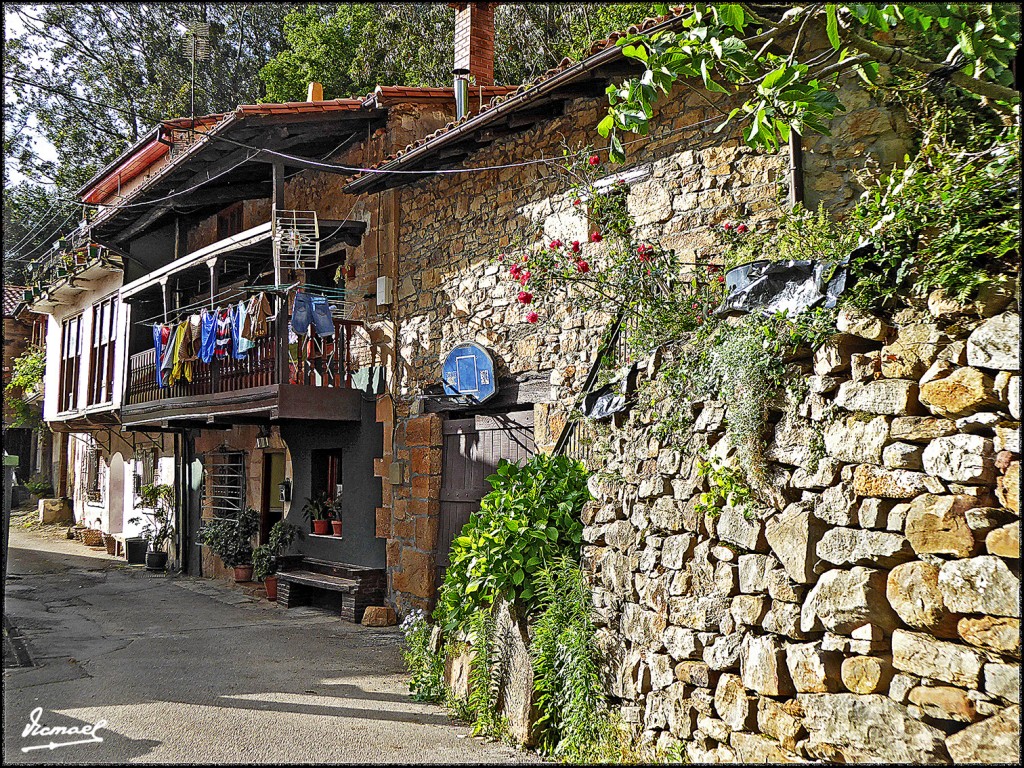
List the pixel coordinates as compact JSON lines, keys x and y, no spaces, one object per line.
{"x":575,"y":724}
{"x":797,"y":235}
{"x":726,"y":489}
{"x":530,"y":518}
{"x":318,"y":508}
{"x":264,"y":557}
{"x":127,"y":61}
{"x":32,"y":219}
{"x":27,"y":373}
{"x":230,"y":538}
{"x":950,"y":219}
{"x":158,"y":510}
{"x":39,"y":486}
{"x":425,"y":668}
{"x":358,"y":46}
{"x":971,"y":45}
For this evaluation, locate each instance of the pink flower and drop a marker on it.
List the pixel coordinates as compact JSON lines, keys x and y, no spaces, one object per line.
{"x":741,"y":228}
{"x":582,"y":267}
{"x":644,"y":252}
{"x":694,"y":306}
{"x":576,"y":247}
{"x":595,"y":160}
{"x":523,"y":277}
{"x":555,"y":244}
{"x":501,"y":257}
{"x":525,"y":297}
{"x":532,"y":317}
{"x":595,"y":237}
{"x":727,"y":226}
{"x":515,"y":271}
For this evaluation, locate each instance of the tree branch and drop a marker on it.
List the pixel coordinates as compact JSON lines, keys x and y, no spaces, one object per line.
{"x":887,"y":54}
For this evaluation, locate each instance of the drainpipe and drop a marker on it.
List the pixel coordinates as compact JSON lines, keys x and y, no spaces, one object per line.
{"x":796,"y":169}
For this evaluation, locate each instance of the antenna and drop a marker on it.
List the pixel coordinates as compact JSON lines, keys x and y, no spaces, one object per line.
{"x":196,"y":44}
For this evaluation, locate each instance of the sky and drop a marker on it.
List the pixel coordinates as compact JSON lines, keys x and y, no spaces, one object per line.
{"x":13,"y":28}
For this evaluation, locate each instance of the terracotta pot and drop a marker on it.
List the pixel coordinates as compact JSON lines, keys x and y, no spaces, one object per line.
{"x":243,"y":573}
{"x":336,"y":526}
{"x":270,"y":584}
{"x":322,"y":527}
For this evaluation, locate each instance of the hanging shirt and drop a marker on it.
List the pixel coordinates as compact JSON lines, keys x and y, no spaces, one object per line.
{"x":223,"y":345}
{"x":182,"y":368}
{"x":208,"y":321}
{"x":196,"y":322}
{"x":158,"y":344}
{"x":257,"y":318}
{"x":237,"y":318}
{"x":185,"y":353}
{"x":167,"y":356}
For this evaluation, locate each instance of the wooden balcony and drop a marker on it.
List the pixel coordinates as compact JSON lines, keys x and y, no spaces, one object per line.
{"x":275,"y":381}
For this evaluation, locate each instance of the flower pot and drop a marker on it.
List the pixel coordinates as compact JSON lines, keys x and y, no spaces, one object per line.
{"x":243,"y":573}
{"x":336,"y":527}
{"x":322,"y":527}
{"x":156,"y":561}
{"x":270,"y":584}
{"x":111,"y":544}
{"x":135,"y":551}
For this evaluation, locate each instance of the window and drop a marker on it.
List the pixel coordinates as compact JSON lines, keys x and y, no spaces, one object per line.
{"x":101,"y":378}
{"x":229,"y":221}
{"x":146,"y":464}
{"x":93,"y":484}
{"x":327,"y":474}
{"x":71,"y":359}
{"x":225,"y":483}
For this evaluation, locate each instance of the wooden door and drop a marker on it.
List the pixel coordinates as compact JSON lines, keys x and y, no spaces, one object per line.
{"x":471,"y":451}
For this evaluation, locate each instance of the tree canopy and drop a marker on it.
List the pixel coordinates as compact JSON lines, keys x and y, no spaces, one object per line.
{"x":731,"y":48}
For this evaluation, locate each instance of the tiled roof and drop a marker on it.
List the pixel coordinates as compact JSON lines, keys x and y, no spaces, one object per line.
{"x":13,"y":295}
{"x":596,"y":47}
{"x":299,"y":107}
{"x":386,"y":94}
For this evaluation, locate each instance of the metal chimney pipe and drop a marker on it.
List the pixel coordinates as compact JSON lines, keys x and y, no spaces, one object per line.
{"x":461,"y":93}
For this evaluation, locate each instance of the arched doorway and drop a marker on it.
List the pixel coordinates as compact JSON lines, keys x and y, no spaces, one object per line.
{"x":115,"y":495}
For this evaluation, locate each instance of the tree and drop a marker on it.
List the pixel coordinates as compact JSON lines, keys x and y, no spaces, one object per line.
{"x":730,"y":49}
{"x":353,"y":48}
{"x":93,"y":78}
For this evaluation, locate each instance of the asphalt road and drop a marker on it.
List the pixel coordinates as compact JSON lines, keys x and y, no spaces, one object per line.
{"x":190,"y":670}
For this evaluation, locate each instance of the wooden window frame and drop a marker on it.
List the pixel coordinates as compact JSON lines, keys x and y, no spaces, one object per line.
{"x":93,"y":476}
{"x":70,"y":362}
{"x":101,"y":364}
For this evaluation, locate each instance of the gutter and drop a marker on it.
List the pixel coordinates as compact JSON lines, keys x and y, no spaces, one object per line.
{"x":482,"y":119}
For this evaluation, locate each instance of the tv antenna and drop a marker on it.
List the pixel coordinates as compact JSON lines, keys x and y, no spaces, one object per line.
{"x":196,"y":42}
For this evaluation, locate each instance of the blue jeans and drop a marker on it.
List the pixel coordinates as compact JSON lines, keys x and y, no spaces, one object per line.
{"x":312,"y":310}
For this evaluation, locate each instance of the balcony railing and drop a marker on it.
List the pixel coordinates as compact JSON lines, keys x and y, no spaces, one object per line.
{"x":322,"y":363}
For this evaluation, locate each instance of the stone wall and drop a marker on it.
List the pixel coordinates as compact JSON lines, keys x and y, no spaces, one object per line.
{"x":871,"y":612}
{"x":684,"y":181}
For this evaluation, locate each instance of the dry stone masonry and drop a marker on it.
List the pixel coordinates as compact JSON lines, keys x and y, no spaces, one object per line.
{"x":871,"y":611}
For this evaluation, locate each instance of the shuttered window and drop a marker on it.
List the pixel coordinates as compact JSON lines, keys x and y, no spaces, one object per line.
{"x":93,"y":486}
{"x":101,"y":379}
{"x":70,"y":362}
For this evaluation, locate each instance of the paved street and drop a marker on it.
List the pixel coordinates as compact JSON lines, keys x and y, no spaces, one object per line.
{"x":186,"y":670}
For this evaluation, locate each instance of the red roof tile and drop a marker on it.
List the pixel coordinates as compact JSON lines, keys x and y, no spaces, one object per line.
{"x":13,"y":295}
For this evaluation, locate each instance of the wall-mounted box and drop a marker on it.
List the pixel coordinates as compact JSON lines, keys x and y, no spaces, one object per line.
{"x":385,"y":288}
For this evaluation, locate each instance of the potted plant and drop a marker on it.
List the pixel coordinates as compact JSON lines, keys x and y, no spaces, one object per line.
{"x":230,"y":538}
{"x":158,"y":503}
{"x":336,"y":517}
{"x":264,"y":557}
{"x":319,"y":509}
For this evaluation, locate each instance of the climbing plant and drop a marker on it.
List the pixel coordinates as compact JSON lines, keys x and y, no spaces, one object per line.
{"x":27,"y":372}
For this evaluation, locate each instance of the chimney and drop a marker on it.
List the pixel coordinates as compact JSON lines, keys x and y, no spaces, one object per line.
{"x":474,"y":41}
{"x":315,"y":92}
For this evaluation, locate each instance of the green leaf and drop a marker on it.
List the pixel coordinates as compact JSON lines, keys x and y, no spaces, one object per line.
{"x":732,"y":15}
{"x":616,"y":153}
{"x":832,"y":25}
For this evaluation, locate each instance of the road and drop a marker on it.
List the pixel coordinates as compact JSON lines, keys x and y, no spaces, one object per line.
{"x":191,"y":670}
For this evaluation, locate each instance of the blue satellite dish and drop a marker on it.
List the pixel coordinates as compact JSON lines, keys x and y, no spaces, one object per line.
{"x":469,"y":371}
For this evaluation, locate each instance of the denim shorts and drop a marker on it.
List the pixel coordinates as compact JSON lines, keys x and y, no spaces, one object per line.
{"x":312,"y":310}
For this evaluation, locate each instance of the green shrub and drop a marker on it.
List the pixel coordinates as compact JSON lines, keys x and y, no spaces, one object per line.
{"x":230,"y":538}
{"x":530,"y":518}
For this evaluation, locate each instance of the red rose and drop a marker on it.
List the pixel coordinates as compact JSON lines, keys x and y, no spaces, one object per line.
{"x":644,"y":252}
{"x":532,"y":317}
{"x":525,"y":297}
{"x":582,"y":267}
{"x":694,"y":306}
{"x":595,"y":237}
{"x":576,"y":247}
{"x":526,"y":257}
{"x":515,"y":270}
{"x":595,"y":160}
{"x":555,"y":244}
{"x":577,"y":201}
{"x":727,"y":226}
{"x":721,"y":278}
{"x":713,"y":267}
{"x":741,"y":228}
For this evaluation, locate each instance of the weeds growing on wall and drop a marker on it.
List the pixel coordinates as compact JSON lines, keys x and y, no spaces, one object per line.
{"x":425,"y":668}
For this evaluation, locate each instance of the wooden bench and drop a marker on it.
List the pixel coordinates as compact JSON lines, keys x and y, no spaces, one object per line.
{"x":350,"y":588}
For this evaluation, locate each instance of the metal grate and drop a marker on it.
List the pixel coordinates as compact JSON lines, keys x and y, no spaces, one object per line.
{"x":296,"y":237}
{"x":225,"y":483}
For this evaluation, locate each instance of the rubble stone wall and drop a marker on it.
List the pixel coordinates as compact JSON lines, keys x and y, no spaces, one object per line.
{"x":871,"y":613}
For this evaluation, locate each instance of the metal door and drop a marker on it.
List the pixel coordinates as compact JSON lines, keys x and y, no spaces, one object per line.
{"x":472,"y":449}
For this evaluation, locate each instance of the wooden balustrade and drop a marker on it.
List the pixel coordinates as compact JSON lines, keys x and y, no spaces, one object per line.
{"x":309,"y":362}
